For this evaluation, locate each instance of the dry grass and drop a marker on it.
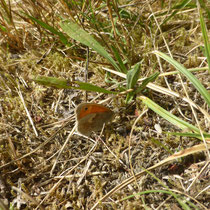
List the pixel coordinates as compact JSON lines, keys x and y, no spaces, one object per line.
{"x":94,"y":167}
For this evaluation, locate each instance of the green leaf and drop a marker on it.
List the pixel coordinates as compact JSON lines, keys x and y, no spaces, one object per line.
{"x":117,"y":56}
{"x":2,"y":28}
{"x":193,"y":135}
{"x":205,"y":38}
{"x":66,"y":84}
{"x":197,"y":84}
{"x":160,"y":144}
{"x":132,"y":78}
{"x":76,"y":32}
{"x":152,"y":78}
{"x":51,"y":29}
{"x":182,"y":202}
{"x":168,"y":116}
{"x":204,"y":5}
{"x":94,"y":88}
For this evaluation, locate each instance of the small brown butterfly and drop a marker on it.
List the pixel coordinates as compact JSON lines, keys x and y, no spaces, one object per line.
{"x":91,"y":117}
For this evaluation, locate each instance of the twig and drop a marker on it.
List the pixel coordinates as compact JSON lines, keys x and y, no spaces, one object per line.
{"x":27,"y":112}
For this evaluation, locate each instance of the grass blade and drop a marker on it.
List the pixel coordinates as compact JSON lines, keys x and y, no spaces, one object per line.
{"x":205,"y":38}
{"x":197,"y":84}
{"x":65,"y":84}
{"x":149,"y":79}
{"x":168,"y":116}
{"x":193,"y":135}
{"x":132,"y":78}
{"x":76,"y":32}
{"x":51,"y":29}
{"x":180,"y":201}
{"x":121,"y":64}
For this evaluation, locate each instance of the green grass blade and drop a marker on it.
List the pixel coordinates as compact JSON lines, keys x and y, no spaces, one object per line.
{"x":149,"y":79}
{"x":121,"y":64}
{"x":63,"y":39}
{"x":76,"y":32}
{"x":66,"y":84}
{"x":180,"y":201}
{"x":204,"y":5}
{"x":2,"y":28}
{"x":94,"y":88}
{"x":132,"y":78}
{"x":205,"y":38}
{"x":160,"y":144}
{"x":197,"y":84}
{"x":168,"y":116}
{"x":193,"y":135}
